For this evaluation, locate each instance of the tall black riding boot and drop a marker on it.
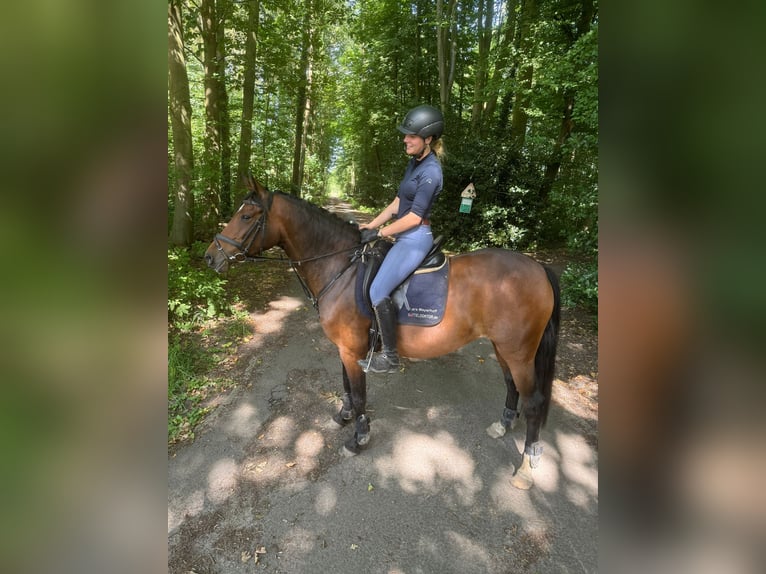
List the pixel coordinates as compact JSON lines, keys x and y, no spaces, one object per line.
{"x":386,"y":361}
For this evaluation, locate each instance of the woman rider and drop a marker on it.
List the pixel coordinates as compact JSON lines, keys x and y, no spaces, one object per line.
{"x":421,"y":185}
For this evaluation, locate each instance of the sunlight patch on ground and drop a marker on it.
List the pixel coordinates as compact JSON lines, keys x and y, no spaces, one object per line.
{"x":271,"y":321}
{"x":265,"y":469}
{"x":578,"y":464}
{"x":307,"y":449}
{"x":421,"y":463}
{"x":547,"y":474}
{"x":469,"y":550}
{"x":222,"y":480}
{"x":509,"y":499}
{"x":192,"y":505}
{"x":280,"y":432}
{"x":326,"y":500}
{"x":242,"y":420}
{"x":576,"y":396}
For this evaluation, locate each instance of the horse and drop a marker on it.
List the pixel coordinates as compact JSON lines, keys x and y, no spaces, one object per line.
{"x":504,"y":296}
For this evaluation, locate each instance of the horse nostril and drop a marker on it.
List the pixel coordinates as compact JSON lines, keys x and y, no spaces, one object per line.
{"x":209,"y":260}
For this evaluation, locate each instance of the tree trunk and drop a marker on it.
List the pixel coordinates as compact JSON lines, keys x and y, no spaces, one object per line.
{"x":484,"y":23}
{"x":303,"y":105}
{"x":501,"y":65}
{"x":248,"y":94}
{"x":181,"y":232}
{"x":210,"y":211}
{"x":223,"y":110}
{"x":446,"y":49}
{"x":554,"y":163}
{"x":519,"y":115}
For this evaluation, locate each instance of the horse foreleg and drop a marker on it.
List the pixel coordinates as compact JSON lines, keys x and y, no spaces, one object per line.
{"x":355,"y":385}
{"x":510,"y":415}
{"x":346,"y":412}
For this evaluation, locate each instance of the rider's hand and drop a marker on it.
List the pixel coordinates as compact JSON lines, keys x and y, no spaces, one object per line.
{"x":369,"y":235}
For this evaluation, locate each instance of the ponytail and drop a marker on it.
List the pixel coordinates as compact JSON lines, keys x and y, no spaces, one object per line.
{"x":438,"y":149}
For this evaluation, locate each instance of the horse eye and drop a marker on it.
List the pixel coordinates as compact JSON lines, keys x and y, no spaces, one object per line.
{"x":246,"y":217}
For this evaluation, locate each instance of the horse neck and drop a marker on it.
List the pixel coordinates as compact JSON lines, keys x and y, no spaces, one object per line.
{"x":303,"y":238}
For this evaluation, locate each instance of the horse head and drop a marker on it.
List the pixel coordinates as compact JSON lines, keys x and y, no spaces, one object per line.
{"x":247,"y":234}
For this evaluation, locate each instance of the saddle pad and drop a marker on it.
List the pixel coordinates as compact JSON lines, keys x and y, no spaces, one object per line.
{"x":420,"y":300}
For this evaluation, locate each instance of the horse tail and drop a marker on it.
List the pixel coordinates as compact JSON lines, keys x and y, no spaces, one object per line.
{"x":545,"y":359}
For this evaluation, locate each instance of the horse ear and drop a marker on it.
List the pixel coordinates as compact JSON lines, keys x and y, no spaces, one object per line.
{"x":254,"y":186}
{"x":249,"y":181}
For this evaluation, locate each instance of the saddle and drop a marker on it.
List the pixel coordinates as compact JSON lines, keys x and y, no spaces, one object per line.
{"x":420,"y":300}
{"x":375,"y":252}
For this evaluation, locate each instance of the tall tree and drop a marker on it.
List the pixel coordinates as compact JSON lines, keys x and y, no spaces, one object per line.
{"x":553,"y":165}
{"x":484,"y":24}
{"x":519,"y":114}
{"x":211,"y":193}
{"x":504,"y":45}
{"x":248,"y":91}
{"x":446,"y":48}
{"x":224,"y":126}
{"x":303,"y":100}
{"x":180,"y":119}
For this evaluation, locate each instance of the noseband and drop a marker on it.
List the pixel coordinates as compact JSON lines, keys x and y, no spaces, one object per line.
{"x":247,"y":242}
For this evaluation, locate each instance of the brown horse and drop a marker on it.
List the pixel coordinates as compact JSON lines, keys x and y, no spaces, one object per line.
{"x":504,"y":296}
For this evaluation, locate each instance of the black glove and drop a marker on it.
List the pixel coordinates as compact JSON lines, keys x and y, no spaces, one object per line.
{"x":369,"y":235}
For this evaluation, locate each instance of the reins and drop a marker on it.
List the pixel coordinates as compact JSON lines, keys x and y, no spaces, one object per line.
{"x":260,"y":225}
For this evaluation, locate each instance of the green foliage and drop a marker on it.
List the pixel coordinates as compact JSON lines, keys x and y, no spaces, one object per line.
{"x":196,"y":300}
{"x":579,"y":286}
{"x":189,"y":384}
{"x":184,"y":410}
{"x":194,"y":293}
{"x":370,"y":61}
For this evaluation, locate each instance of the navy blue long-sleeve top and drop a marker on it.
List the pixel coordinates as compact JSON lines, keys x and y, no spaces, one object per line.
{"x":420,"y":186}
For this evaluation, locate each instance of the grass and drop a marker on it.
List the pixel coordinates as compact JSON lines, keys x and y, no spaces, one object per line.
{"x":193,"y":361}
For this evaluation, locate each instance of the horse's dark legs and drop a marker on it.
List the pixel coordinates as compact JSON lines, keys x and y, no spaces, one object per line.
{"x":354,"y":404}
{"x":521,"y":394}
{"x":510,"y":414}
{"x":532,"y":400}
{"x":345,"y":414}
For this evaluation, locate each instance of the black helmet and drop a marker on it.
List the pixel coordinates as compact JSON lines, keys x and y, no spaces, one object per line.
{"x":423,"y":121}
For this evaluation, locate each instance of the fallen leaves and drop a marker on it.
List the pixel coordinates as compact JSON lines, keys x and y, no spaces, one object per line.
{"x":245,"y":555}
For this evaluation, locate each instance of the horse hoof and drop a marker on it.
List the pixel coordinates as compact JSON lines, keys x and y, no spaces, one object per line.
{"x":522,"y":482}
{"x":339,"y":422}
{"x":523,"y":478}
{"x":496,"y":430}
{"x":349,"y":450}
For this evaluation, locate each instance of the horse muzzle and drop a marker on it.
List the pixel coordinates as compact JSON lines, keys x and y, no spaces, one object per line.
{"x":216,"y":260}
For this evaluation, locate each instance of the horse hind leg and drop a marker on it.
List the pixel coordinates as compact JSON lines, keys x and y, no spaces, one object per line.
{"x":533,"y":404}
{"x":532,"y":401}
{"x":510,"y":414}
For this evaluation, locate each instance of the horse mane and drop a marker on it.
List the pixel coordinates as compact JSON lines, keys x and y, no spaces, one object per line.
{"x":322,"y":225}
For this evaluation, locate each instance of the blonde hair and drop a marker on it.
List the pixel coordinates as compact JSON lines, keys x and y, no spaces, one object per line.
{"x":439,"y":149}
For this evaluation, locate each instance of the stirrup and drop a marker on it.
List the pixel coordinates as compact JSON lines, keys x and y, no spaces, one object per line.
{"x":380,"y":363}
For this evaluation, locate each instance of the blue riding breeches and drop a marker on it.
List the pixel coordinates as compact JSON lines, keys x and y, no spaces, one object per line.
{"x":403,"y":258}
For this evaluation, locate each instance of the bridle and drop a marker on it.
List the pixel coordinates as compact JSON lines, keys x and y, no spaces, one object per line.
{"x":260,"y":225}
{"x":247,"y":242}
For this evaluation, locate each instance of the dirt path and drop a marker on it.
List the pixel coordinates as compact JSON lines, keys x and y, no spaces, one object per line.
{"x":264,"y":487}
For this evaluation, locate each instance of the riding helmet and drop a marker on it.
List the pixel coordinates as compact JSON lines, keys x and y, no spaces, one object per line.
{"x":423,"y":121}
